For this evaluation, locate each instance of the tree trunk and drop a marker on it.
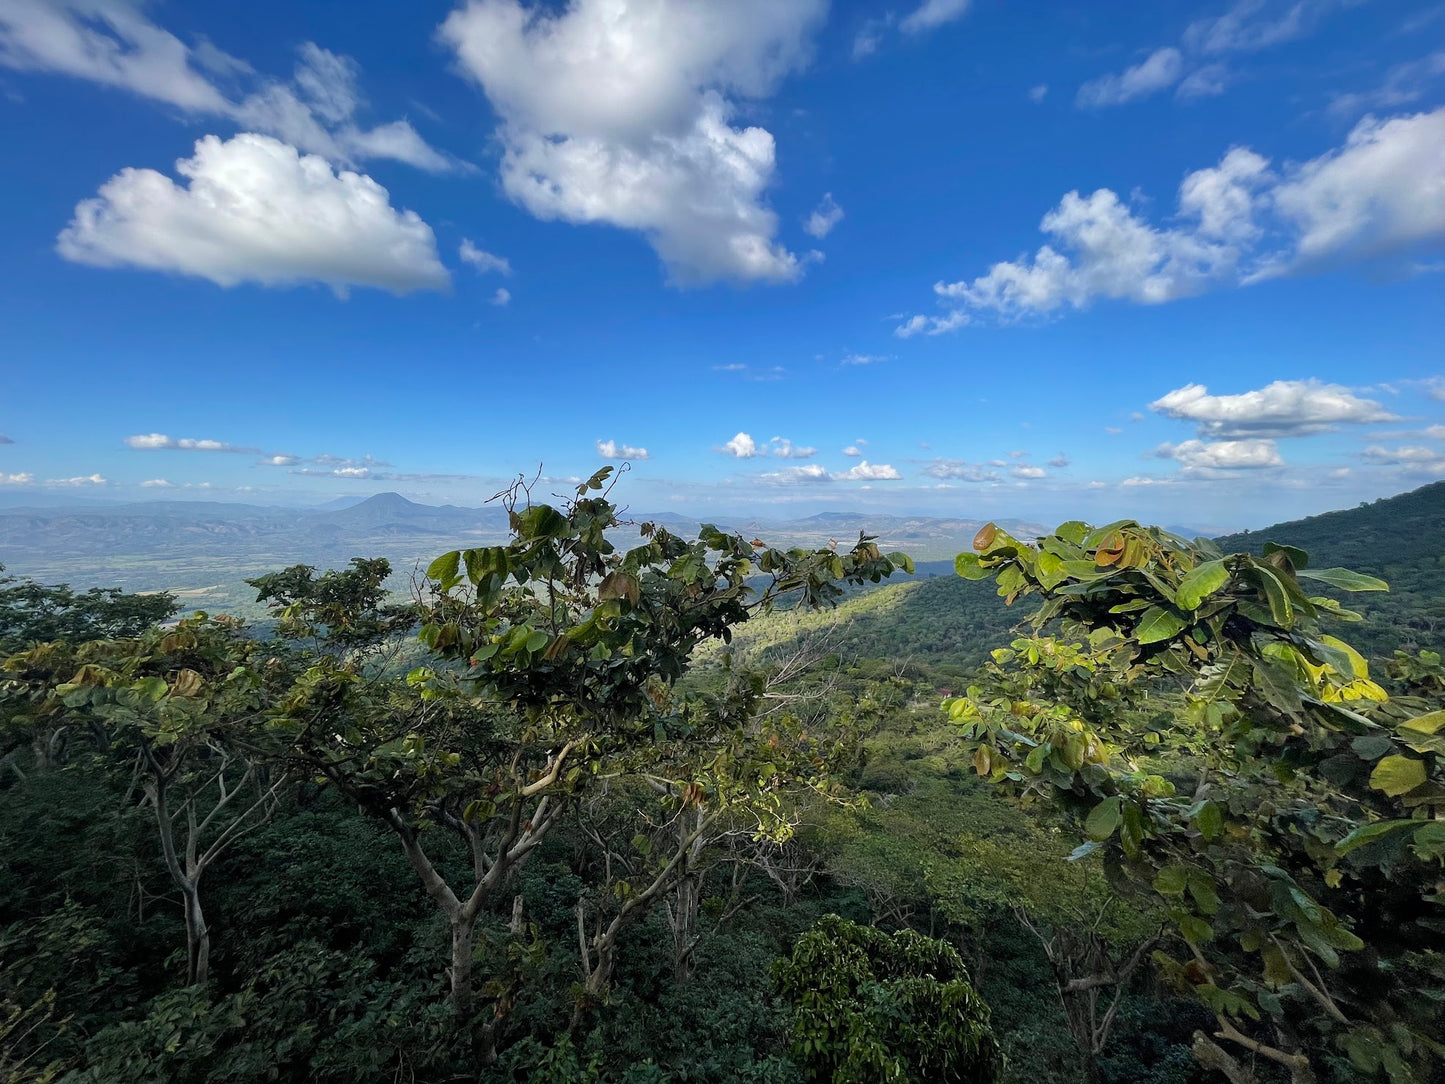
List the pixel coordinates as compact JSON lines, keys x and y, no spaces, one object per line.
{"x":682,"y":916}
{"x":461,"y":973}
{"x":198,"y":937}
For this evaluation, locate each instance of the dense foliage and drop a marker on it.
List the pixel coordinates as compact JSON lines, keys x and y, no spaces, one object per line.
{"x":663,"y":814}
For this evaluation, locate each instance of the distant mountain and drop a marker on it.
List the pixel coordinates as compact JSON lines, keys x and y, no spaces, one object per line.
{"x":1400,"y":539}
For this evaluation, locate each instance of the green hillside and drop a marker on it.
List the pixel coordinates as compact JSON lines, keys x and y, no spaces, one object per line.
{"x":1400,"y":539}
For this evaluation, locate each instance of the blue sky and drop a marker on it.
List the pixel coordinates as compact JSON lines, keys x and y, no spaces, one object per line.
{"x":1183,"y":263}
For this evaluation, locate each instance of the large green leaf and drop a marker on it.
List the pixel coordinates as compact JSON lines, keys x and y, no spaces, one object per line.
{"x":1368,"y":833}
{"x":1158,"y":624}
{"x":1344,"y":579}
{"x":1103,"y":819}
{"x":1201,"y":582}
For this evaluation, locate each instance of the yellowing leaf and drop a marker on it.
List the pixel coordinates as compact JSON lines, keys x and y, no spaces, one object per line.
{"x":1398,"y":775}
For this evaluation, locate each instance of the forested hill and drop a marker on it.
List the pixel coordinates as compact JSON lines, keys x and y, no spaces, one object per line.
{"x":1400,"y":539}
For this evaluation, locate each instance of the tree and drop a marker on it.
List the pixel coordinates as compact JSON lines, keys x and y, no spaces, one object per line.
{"x":183,"y":709}
{"x":555,"y":660}
{"x":1287,"y":815}
{"x":873,"y":1007}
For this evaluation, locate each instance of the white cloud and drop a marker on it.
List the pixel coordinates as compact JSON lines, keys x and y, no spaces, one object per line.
{"x":482,"y":260}
{"x":1025,"y":471}
{"x":783,"y":448}
{"x":1209,"y":81}
{"x":1252,"y":25}
{"x":1285,"y":408}
{"x":112,"y":43}
{"x":811,"y":472}
{"x":1158,"y":71}
{"x":1038,"y":93}
{"x":870,"y":472}
{"x":853,"y":450}
{"x":865,"y":359}
{"x":157,"y":483}
{"x":503,"y":296}
{"x":960,"y":470}
{"x":154,"y":441}
{"x":1415,"y":457}
{"x":104,"y":41}
{"x":20,"y":479}
{"x":1238,"y":222}
{"x":1385,"y":189}
{"x":1198,"y":455}
{"x":78,"y":482}
{"x":1404,"y":83}
{"x":254,"y":210}
{"x":931,"y":325}
{"x":742,"y":446}
{"x":618,"y":112}
{"x":281,"y":460}
{"x":1059,"y":462}
{"x":610,"y":449}
{"x":824,"y":217}
{"x":932,"y":14}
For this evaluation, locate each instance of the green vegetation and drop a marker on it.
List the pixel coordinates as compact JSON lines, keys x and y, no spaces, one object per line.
{"x":686,"y":810}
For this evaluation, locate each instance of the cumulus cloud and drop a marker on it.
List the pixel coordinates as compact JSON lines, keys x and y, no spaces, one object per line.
{"x":1415,"y":457}
{"x":824,"y":217}
{"x":1158,"y":71}
{"x":1285,"y":408}
{"x":112,"y":43}
{"x":5,"y":440}
{"x":783,"y":448}
{"x":960,"y":470}
{"x":619,"y":112}
{"x":157,"y":441}
{"x":1222,"y":455}
{"x":1238,"y":222}
{"x":742,"y":446}
{"x":611,"y":449}
{"x":78,"y":482}
{"x":1027,"y":471}
{"x":932,"y":14}
{"x":866,"y":471}
{"x":252,"y":209}
{"x":503,"y":296}
{"x":1038,"y":93}
{"x":1059,"y":462}
{"x":853,"y":450}
{"x":482,"y":260}
{"x":791,"y":476}
{"x":19,"y":479}
{"x":157,"y":483}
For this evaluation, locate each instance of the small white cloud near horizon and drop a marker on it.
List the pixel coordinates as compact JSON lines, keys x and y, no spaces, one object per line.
{"x":78,"y":482}
{"x":866,"y":471}
{"x":783,"y":448}
{"x":611,"y":449}
{"x":824,"y":217}
{"x":253,"y":209}
{"x":22,"y":478}
{"x":159,"y":441}
{"x":483,"y":260}
{"x":157,"y":483}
